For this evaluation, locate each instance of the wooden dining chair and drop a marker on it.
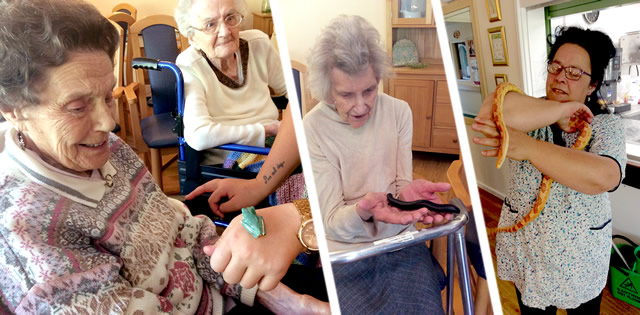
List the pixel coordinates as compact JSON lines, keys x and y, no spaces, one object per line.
{"x":157,"y":37}
{"x":118,"y":91}
{"x":124,"y":21}
{"x":458,"y":180}
{"x":300,"y":78}
{"x":126,"y":8}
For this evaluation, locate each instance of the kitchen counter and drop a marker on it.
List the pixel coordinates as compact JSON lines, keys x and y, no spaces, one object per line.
{"x":632,"y":134}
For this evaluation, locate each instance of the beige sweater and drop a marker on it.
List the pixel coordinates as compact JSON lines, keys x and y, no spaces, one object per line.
{"x":349,"y":163}
{"x":217,"y":114}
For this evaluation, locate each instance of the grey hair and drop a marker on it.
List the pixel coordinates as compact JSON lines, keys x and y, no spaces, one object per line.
{"x":182,"y":14}
{"x":37,"y":35}
{"x":351,"y":44}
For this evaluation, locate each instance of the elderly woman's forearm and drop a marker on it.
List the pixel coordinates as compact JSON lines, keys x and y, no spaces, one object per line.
{"x":211,"y":135}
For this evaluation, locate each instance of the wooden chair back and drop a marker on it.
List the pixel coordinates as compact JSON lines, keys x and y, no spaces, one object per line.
{"x":301,"y":79}
{"x":143,"y":46}
{"x":126,"y":8}
{"x":125,"y":21}
{"x":118,"y":92}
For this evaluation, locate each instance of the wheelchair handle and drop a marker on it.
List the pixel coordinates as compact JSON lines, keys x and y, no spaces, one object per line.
{"x":156,"y":64}
{"x":145,"y":63}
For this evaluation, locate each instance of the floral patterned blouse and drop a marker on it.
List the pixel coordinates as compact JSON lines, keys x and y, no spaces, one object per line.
{"x":562,"y":257}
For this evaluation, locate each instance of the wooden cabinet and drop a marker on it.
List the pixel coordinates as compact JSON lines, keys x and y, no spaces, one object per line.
{"x":263,"y":22}
{"x":425,"y":89}
{"x":411,"y":12}
{"x":427,"y":93}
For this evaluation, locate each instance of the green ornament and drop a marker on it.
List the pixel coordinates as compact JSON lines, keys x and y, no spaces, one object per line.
{"x":254,"y":224}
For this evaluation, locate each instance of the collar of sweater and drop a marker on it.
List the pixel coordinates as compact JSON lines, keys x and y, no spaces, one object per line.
{"x":85,"y":190}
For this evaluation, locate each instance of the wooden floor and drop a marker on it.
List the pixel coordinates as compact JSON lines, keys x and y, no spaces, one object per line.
{"x":433,"y":167}
{"x":492,"y":206}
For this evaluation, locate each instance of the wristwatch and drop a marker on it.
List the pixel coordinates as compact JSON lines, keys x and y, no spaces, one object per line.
{"x":306,"y":233}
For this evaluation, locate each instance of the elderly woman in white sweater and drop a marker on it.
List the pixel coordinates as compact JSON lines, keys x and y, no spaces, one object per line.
{"x":360,"y":148}
{"x":227,"y":77}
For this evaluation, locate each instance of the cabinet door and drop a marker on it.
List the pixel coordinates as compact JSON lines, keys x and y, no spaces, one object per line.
{"x":411,"y":12}
{"x":444,"y":137}
{"x":419,"y":95}
{"x":443,"y":112}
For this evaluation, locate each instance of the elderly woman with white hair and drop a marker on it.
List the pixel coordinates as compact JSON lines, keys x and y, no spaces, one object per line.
{"x":84,"y":227}
{"x":360,"y":148}
{"x":227,"y":75}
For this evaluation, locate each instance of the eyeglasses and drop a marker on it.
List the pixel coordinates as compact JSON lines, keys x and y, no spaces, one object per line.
{"x":213,"y":26}
{"x":570,"y":73}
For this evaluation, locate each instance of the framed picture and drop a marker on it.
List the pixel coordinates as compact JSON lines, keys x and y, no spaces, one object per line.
{"x":493,"y":8}
{"x":498,"y":43}
{"x":500,"y":78}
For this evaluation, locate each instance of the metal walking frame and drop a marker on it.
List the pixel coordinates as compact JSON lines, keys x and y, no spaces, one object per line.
{"x":454,"y":230}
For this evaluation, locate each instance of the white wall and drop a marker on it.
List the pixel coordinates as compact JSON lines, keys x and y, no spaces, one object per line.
{"x":144,"y":7}
{"x":487,"y":176}
{"x":303,"y":20}
{"x":624,"y":212}
{"x":470,"y":97}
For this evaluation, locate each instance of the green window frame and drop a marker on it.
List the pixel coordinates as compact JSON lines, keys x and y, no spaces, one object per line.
{"x":577,"y":6}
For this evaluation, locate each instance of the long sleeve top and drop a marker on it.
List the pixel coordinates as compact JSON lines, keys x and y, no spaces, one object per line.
{"x":348,"y":163}
{"x":110,"y":243}
{"x":218,"y":110}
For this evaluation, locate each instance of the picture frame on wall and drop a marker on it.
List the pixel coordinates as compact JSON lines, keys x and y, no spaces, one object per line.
{"x":493,"y":9}
{"x":498,"y":44}
{"x":500,"y":78}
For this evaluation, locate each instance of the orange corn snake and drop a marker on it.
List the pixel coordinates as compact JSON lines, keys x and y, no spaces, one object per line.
{"x":545,"y":186}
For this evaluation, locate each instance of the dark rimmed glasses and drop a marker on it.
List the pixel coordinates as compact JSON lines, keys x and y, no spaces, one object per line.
{"x":213,"y":26}
{"x":571,"y":73}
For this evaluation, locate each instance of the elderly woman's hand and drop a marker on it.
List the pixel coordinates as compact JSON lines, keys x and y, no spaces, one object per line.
{"x":375,"y":205}
{"x":272,"y":129}
{"x":421,"y":189}
{"x":249,"y":261}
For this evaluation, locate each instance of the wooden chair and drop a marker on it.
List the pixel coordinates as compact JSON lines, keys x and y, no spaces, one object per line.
{"x":300,"y":77}
{"x":155,"y":37}
{"x":118,"y":91}
{"x":124,"y":21}
{"x":458,"y":180}
{"x":126,"y":8}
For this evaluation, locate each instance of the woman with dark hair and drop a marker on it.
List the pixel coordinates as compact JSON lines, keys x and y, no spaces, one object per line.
{"x":559,"y":260}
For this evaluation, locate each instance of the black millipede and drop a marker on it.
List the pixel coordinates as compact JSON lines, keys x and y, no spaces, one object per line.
{"x":418,"y":204}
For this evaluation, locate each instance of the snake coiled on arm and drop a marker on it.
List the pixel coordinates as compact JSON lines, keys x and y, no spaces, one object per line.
{"x":545,"y":186}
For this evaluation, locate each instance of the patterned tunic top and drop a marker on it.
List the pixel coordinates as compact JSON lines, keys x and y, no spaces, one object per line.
{"x":562,"y":257}
{"x":75,"y":245}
